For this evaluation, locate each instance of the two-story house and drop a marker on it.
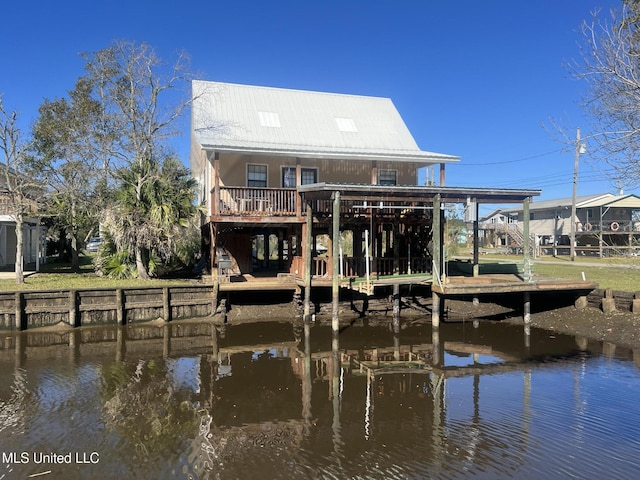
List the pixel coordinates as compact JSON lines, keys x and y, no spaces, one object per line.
{"x":602,"y":223}
{"x":252,"y":147}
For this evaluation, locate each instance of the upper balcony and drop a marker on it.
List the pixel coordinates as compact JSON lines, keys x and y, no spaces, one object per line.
{"x":279,"y":205}
{"x":235,"y":202}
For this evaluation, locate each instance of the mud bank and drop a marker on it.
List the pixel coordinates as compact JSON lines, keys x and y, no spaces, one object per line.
{"x":619,"y":327}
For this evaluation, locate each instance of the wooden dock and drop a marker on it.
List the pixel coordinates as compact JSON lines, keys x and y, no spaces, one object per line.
{"x":505,"y":283}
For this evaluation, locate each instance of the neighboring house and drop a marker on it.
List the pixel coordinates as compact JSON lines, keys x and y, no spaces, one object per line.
{"x":494,"y":229}
{"x":252,"y":146}
{"x":34,"y":244}
{"x":34,"y":241}
{"x":603,"y":222}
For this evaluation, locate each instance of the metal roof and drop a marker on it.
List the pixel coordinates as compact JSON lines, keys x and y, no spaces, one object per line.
{"x":266,"y":120}
{"x":620,"y":201}
{"x":409,"y":193}
{"x":581,"y":201}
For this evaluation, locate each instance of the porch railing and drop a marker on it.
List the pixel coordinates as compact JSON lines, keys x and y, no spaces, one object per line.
{"x":608,"y":226}
{"x":255,"y":201}
{"x":354,"y":267}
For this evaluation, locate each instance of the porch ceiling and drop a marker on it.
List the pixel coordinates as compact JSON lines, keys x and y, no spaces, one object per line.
{"x":324,"y":191}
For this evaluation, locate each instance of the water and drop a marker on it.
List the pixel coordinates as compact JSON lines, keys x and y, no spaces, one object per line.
{"x":276,"y":400}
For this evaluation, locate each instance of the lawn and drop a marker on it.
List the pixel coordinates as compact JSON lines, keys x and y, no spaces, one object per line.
{"x":617,"y":273}
{"x":55,"y":275}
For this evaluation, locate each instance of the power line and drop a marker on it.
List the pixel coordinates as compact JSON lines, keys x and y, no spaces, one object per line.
{"x":531,"y":157}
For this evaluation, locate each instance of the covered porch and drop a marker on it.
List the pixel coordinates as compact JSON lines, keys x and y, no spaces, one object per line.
{"x":412,"y":219}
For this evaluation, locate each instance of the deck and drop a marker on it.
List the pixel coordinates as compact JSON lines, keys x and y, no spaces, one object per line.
{"x":490,"y":283}
{"x":506,"y":283}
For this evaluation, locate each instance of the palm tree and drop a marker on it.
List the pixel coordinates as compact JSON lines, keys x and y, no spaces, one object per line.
{"x":153,"y":208}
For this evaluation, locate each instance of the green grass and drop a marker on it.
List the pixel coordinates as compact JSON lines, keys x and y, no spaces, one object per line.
{"x":617,"y":273}
{"x":616,"y":278}
{"x":606,"y":272}
{"x":56,"y":275}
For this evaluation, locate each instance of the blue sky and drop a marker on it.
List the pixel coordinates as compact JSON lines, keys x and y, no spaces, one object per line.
{"x":474,"y":79}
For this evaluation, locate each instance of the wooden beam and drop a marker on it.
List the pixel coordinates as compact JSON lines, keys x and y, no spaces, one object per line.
{"x":215,"y":208}
{"x":526,"y":241}
{"x":307,"y":254}
{"x":335,"y":286}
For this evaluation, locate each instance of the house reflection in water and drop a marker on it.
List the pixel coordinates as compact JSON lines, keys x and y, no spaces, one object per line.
{"x":276,"y":391}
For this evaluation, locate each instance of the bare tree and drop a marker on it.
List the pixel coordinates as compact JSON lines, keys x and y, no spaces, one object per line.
{"x":67,"y":159}
{"x":610,"y":66}
{"x":18,"y":189}
{"x":142,"y":102}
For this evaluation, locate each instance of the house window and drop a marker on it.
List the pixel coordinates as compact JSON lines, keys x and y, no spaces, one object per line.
{"x":387,"y":177}
{"x":309,"y":175}
{"x":256,"y":175}
{"x":288,"y":177}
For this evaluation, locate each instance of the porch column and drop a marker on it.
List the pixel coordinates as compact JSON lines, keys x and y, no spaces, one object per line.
{"x":357,"y":251}
{"x":396,"y":244}
{"x":307,"y":253}
{"x":374,"y":172}
{"x":527,"y":315}
{"x":213,"y":241}
{"x":335,"y":285}
{"x":298,"y":183}
{"x":436,"y":299}
{"x":215,"y":207}
{"x":476,"y":234}
{"x":436,"y":239}
{"x":39,"y":246}
{"x":442,"y":174}
{"x":526,"y":243}
{"x":280,"y":249}
{"x":601,"y":235}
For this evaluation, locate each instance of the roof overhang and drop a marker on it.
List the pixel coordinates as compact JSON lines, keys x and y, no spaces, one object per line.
{"x":416,"y":157}
{"x":324,"y":191}
{"x":623,"y":201}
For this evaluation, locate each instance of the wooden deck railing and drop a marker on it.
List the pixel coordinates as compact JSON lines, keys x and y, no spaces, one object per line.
{"x":608,"y":226}
{"x":256,"y":201}
{"x":354,"y":267}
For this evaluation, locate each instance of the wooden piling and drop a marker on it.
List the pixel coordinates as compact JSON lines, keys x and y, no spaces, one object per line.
{"x":608,"y":302}
{"x":527,"y":308}
{"x":120,"y":307}
{"x":73,"y":308}
{"x":335,"y":284}
{"x":166,"y":305}
{"x":581,"y":302}
{"x":635,"y":303}
{"x":435,"y":310}
{"x":20,"y":316}
{"x":396,"y":303}
{"x":307,"y":253}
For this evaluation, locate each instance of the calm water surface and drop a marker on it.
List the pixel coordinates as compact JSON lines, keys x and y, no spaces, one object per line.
{"x":276,"y":400}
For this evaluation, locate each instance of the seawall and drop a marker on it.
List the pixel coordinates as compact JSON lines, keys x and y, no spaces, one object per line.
{"x":110,"y":306}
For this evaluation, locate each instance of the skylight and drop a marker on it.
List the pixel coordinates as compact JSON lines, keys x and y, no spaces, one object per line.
{"x":269,"y":119}
{"x":346,"y":124}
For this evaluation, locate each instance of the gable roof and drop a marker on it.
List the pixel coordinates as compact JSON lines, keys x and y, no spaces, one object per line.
{"x":581,"y":202}
{"x":252,"y":119}
{"x":620,"y":201}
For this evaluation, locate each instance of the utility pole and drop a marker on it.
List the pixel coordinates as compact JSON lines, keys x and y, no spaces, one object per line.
{"x":580,"y":148}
